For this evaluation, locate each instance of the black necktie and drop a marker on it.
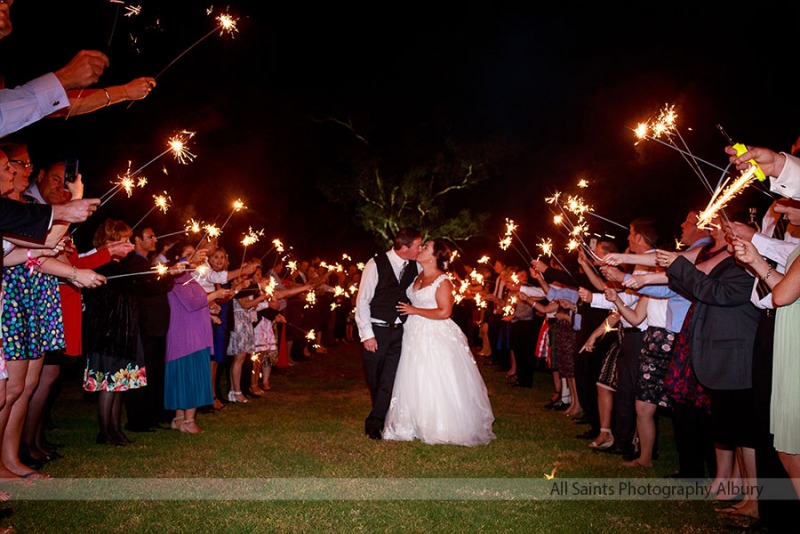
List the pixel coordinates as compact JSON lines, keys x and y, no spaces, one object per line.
{"x":762,"y":288}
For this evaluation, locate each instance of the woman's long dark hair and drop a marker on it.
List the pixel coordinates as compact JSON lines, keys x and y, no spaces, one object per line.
{"x":441,"y":252}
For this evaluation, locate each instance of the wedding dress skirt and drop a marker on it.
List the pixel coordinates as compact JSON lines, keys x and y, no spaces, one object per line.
{"x":439,"y":395}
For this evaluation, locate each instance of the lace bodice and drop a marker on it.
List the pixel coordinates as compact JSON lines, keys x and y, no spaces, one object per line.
{"x":425,"y":297}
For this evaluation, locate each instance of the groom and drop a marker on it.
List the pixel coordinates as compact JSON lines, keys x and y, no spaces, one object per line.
{"x":383,"y":284}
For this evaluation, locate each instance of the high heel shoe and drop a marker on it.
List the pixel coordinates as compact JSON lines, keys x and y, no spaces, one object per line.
{"x":236,"y":396}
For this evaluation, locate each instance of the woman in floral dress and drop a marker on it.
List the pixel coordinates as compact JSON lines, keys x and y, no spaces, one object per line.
{"x":114,"y":357}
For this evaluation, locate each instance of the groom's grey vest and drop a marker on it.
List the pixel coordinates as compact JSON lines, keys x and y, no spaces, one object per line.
{"x":388,"y":292}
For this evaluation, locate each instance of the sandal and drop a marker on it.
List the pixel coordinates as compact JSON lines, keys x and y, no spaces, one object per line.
{"x":236,"y":396}
{"x":602,"y":445}
{"x":265,"y":387}
{"x":190,"y":427}
{"x":176,"y":423}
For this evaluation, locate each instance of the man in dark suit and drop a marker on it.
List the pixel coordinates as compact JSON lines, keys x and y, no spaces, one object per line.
{"x":383,"y":284}
{"x":145,"y":406}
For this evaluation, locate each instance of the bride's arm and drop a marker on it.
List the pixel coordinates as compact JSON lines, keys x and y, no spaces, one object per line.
{"x":444,"y":304}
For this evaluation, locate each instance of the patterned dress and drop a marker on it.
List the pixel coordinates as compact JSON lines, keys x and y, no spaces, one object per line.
{"x":32,"y":323}
{"x":680,"y":383}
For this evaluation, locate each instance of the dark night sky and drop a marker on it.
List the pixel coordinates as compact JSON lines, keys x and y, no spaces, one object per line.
{"x":558,"y":87}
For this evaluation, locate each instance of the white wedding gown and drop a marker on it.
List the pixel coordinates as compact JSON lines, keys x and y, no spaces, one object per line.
{"x":439,"y":395}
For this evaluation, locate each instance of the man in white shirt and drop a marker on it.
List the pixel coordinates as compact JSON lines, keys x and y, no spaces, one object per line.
{"x":383,"y":285}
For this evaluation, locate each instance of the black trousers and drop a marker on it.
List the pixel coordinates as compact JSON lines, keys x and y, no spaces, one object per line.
{"x":625,"y":398}
{"x":693,"y":440}
{"x":380,"y":368}
{"x":145,"y":406}
{"x":523,"y":342}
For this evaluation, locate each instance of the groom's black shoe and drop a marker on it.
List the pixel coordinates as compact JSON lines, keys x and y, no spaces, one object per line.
{"x":374,"y":433}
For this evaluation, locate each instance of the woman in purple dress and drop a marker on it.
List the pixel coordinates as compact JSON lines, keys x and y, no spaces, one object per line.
{"x":187,"y":384}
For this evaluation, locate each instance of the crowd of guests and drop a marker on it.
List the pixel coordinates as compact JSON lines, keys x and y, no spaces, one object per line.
{"x":706,"y":334}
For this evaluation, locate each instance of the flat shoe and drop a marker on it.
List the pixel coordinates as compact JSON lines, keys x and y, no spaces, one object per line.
{"x":602,"y":445}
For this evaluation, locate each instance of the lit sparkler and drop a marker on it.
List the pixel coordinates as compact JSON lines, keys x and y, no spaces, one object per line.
{"x":665,"y":125}
{"x":484,"y":260}
{"x":159,"y":269}
{"x":238,"y":205}
{"x":226,"y":23}
{"x":721,"y":198}
{"x":250,"y":238}
{"x":161,"y":202}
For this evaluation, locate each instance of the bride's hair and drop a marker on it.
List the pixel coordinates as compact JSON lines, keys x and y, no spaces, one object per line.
{"x":441,"y":253}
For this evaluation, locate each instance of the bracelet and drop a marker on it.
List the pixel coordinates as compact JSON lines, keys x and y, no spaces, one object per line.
{"x":767,"y":275}
{"x":108,"y":97}
{"x":74,"y":275}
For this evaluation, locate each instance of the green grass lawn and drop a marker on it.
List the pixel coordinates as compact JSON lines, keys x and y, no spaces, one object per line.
{"x":297,"y":460}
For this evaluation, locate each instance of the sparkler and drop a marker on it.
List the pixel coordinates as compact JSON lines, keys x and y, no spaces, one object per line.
{"x":250,"y":238}
{"x":159,"y":269}
{"x":665,"y":125}
{"x":721,"y":198}
{"x":176,"y":144}
{"x":226,"y":23}
{"x":238,"y":205}
{"x":276,"y":245}
{"x":484,"y":260}
{"x":511,"y":229}
{"x":192,"y":226}
{"x":161,"y":202}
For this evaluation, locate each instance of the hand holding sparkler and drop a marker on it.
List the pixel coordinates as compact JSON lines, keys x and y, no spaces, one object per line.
{"x":664,"y":258}
{"x":770,"y":163}
{"x":612,"y":274}
{"x":741,"y":149}
{"x":747,"y":253}
{"x":585,"y":295}
{"x":119,"y":249}
{"x":86,"y":279}
{"x":75,"y":211}
{"x":83,"y":70}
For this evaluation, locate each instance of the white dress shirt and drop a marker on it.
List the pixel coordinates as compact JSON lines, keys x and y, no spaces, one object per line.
{"x":366,"y":290}
{"x":29,"y":102}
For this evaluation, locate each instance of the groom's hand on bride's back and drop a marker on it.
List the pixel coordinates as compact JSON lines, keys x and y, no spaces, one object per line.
{"x":371,"y":344}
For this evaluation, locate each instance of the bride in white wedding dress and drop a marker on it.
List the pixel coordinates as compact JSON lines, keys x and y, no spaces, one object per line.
{"x":439,"y":395}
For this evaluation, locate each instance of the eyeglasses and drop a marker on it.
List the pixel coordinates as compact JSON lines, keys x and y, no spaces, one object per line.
{"x":23,"y":164}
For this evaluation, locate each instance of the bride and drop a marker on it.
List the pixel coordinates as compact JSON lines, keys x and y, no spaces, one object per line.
{"x":439,"y":395}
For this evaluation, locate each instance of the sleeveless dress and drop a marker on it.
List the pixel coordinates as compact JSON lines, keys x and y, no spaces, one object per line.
{"x":784,"y":417}
{"x":439,"y":395}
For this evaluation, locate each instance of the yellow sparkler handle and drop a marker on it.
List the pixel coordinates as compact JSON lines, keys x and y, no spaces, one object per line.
{"x":741,"y":149}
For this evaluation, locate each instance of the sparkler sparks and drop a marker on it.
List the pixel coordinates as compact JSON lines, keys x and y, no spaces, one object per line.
{"x":250,"y":238}
{"x":161,"y":202}
{"x":546,"y":246}
{"x":484,"y":260}
{"x":178,"y":146}
{"x":238,"y":206}
{"x":226,"y":23}
{"x":721,"y":198}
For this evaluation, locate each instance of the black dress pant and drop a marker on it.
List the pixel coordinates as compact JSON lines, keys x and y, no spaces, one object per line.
{"x":380,"y":368}
{"x":625,"y":398}
{"x":145,"y":406}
